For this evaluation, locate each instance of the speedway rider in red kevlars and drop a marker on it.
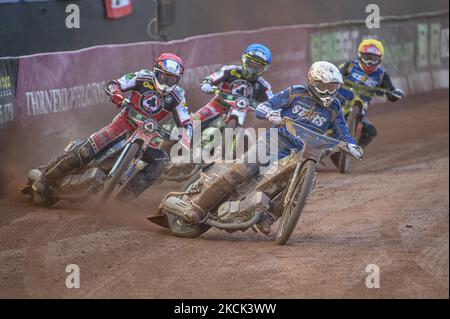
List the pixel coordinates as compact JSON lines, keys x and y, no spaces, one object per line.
{"x":245,"y":80}
{"x":154,"y":94}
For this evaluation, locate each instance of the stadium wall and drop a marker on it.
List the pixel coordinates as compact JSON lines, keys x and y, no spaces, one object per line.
{"x":48,"y":99}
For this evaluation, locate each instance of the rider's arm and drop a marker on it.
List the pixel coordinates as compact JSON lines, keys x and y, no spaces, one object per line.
{"x":218,"y":77}
{"x":123,"y":84}
{"x":340,"y":129}
{"x":116,"y":88}
{"x":182,"y":118}
{"x":344,"y":68}
{"x":278,"y":101}
{"x":386,"y":83}
{"x":267,"y":93}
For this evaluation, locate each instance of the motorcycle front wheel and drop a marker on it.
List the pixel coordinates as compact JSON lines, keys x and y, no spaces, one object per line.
{"x":112,"y":182}
{"x":292,"y":211}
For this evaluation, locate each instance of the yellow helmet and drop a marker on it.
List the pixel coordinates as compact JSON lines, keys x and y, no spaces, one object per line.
{"x":370,"y":53}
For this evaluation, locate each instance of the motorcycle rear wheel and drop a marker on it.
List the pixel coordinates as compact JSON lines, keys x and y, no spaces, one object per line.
{"x":292,"y":212}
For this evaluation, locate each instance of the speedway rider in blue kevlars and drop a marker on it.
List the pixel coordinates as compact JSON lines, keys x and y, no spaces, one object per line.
{"x":366,"y":71}
{"x":313,"y":106}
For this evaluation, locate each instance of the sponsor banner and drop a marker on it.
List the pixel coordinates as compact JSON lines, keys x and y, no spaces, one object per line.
{"x":416,"y":49}
{"x":118,"y":8}
{"x":65,"y":85}
{"x":8,"y":78}
{"x":52,"y":84}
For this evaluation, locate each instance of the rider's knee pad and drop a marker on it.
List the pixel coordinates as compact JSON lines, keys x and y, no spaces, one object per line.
{"x":86,"y":152}
{"x":82,"y":149}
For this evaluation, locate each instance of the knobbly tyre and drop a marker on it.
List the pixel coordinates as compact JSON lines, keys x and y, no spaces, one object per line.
{"x":354,"y":111}
{"x":238,"y":108}
{"x":113,"y":168}
{"x":283,"y":194}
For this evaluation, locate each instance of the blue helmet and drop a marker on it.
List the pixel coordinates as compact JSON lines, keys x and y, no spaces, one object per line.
{"x":256,"y":60}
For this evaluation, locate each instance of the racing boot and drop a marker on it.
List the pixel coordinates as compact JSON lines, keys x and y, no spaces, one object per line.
{"x":335,"y":158}
{"x":41,"y":192}
{"x":76,"y":154}
{"x":369,"y":132}
{"x":215,"y":189}
{"x":365,"y":140}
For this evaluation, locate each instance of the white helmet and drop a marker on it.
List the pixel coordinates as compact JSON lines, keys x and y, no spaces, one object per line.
{"x":324,"y":81}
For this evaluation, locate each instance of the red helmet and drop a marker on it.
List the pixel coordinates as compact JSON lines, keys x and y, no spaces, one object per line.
{"x":168,"y":69}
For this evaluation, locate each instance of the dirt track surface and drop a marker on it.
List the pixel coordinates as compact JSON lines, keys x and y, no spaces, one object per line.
{"x":392,"y":210}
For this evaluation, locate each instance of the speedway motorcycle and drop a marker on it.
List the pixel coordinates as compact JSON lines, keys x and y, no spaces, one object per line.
{"x":238,"y":107}
{"x":283,"y":194}
{"x":354,"y":111}
{"x":111,"y":169}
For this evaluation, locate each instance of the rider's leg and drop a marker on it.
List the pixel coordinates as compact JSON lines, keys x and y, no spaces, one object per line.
{"x":75,"y":155}
{"x":143,"y":179}
{"x":284,"y":149}
{"x":368,"y":133}
{"x":79,"y":153}
{"x":208,"y":113}
{"x":217,"y":187}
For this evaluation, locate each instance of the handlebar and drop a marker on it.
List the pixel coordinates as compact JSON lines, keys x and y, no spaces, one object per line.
{"x":316,"y":140}
{"x":226,"y":96}
{"x":363,"y":89}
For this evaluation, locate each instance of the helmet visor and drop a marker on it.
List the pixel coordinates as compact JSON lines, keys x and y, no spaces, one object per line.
{"x":254,"y":66}
{"x":166,"y":78}
{"x":370,"y":59}
{"x":326,"y":88}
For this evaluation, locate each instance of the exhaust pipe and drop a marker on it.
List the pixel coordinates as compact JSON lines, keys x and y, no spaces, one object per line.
{"x":177,"y":207}
{"x":235,"y":226}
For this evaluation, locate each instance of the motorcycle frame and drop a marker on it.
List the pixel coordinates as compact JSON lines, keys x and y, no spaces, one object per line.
{"x":313,"y":146}
{"x":143,"y":135}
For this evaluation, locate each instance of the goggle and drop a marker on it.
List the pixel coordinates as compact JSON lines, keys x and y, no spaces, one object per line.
{"x":370,"y":59}
{"x":326,"y":88}
{"x":166,"y":78}
{"x":254,"y":65}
